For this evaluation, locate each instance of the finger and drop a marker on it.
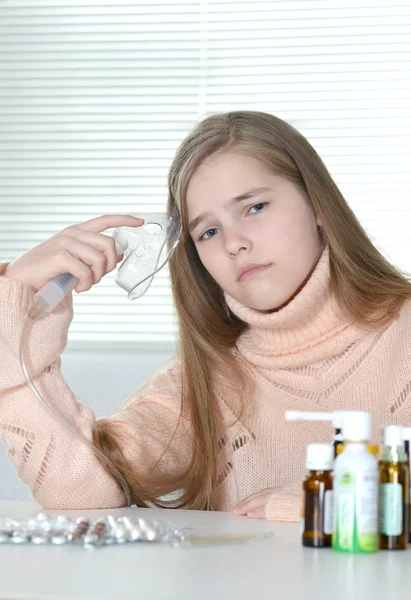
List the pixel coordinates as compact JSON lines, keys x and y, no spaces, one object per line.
{"x":69,"y":264}
{"x":99,"y":241}
{"x":87,"y":254}
{"x":259,"y":513}
{"x":255,"y":495}
{"x":244,"y":502}
{"x":249,"y":506}
{"x":99,"y":224}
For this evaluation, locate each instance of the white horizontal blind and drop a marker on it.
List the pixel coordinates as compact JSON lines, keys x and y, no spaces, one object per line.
{"x":95,"y":96}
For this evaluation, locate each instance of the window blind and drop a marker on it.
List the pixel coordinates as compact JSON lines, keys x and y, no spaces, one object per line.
{"x":95,"y":97}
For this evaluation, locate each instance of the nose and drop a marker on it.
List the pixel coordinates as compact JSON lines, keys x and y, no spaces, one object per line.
{"x":236,"y":242}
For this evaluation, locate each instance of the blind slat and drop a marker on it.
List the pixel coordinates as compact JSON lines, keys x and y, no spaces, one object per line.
{"x":96,"y":96}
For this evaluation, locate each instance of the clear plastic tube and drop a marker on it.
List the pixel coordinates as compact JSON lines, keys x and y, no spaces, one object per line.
{"x":35,"y":312}
{"x":157,"y":268}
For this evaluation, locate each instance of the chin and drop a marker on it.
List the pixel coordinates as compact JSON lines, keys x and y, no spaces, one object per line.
{"x":266,"y":306}
{"x":268,"y":302}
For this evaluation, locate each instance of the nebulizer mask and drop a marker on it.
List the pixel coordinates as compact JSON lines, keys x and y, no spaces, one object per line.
{"x":147,"y":249}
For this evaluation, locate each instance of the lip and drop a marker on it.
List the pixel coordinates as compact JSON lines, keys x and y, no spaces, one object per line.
{"x":250,"y":270}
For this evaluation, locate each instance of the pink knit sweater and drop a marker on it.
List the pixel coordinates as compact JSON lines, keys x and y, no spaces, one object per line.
{"x":304,"y":356}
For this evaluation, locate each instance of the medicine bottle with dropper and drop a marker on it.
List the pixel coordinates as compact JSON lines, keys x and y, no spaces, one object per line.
{"x":406,"y":436}
{"x":394,"y":491}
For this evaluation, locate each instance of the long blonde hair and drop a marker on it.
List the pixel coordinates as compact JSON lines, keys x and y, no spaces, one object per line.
{"x":369,"y":290}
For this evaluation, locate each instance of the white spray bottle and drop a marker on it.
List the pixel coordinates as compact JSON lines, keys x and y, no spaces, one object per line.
{"x":355,"y":482}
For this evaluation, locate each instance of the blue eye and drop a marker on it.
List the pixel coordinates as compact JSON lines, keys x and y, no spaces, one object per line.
{"x":260,"y":206}
{"x":209,"y":233}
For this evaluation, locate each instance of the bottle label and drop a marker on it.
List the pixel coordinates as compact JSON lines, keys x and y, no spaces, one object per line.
{"x":391,"y":508}
{"x":302,"y":516}
{"x":328,"y":512}
{"x":356,"y":511}
{"x":344,"y":514}
{"x":409,"y":517}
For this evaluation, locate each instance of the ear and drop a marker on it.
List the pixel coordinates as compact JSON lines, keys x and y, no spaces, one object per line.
{"x":318,"y":221}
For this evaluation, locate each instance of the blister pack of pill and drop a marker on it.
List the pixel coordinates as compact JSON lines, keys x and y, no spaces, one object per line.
{"x":60,"y":529}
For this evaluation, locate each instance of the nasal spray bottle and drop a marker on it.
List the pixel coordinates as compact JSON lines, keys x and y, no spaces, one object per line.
{"x":336,"y":417}
{"x":355,"y":483}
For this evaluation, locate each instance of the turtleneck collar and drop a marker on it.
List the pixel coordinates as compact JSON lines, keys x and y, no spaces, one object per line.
{"x":309,"y":328}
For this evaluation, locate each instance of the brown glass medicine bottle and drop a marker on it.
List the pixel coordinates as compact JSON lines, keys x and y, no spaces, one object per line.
{"x":394,"y":491}
{"x":317,"y":505}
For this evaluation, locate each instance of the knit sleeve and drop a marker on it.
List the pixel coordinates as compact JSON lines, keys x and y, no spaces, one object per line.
{"x":60,"y":470}
{"x":46,"y":340}
{"x":285,"y":503}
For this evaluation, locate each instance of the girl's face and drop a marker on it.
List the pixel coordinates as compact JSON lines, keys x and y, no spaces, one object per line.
{"x":254,"y":231}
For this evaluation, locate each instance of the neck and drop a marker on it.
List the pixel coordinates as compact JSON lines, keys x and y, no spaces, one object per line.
{"x":311,"y":324}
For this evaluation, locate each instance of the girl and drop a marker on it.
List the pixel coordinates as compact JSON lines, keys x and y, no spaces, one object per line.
{"x":283,"y":303}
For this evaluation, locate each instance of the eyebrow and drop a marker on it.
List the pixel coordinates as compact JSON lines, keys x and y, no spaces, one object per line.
{"x":228,"y":205}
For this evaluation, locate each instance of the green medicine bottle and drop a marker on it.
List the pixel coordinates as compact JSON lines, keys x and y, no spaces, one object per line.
{"x":356,"y":488}
{"x":394,"y":491}
{"x":406,"y":436}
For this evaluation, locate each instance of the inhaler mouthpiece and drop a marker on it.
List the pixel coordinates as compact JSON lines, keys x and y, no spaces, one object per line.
{"x":147,"y":249}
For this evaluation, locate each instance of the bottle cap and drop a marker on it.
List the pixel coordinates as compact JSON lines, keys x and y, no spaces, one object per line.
{"x":338,"y":419}
{"x":392,"y":436}
{"x":406,"y":433}
{"x":320,"y":457}
{"x":357,"y":426}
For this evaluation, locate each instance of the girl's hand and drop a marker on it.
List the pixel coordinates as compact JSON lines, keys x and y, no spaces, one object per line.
{"x":81,"y":250}
{"x":254,"y":505}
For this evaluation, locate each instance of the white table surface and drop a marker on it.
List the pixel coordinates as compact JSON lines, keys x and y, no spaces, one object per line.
{"x":274,"y":568}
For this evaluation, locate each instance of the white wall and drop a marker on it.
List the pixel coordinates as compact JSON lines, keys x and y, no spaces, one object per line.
{"x":101,"y":380}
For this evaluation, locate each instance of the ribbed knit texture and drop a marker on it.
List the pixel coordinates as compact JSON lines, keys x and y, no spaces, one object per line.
{"x":305,"y":356}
